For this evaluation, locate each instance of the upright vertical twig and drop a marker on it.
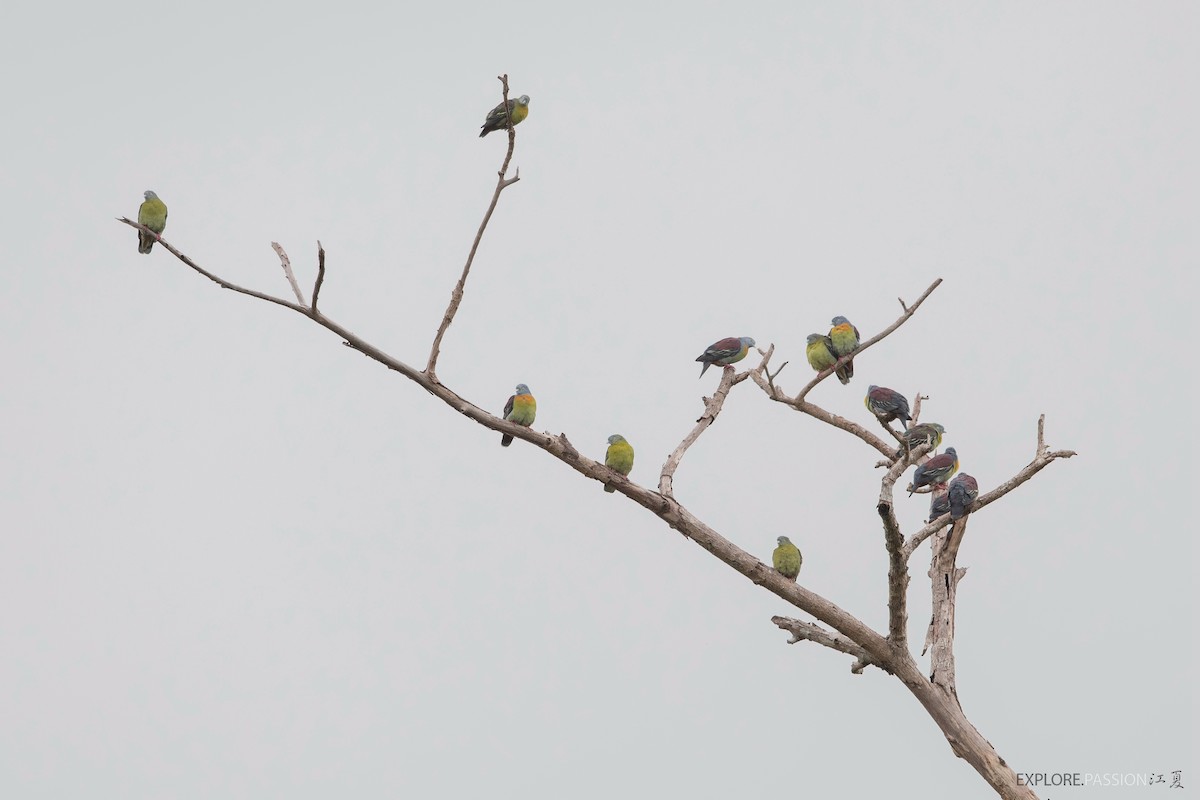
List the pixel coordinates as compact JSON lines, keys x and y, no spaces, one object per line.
{"x":286,"y":263}
{"x":320,"y":276}
{"x":456,"y":296}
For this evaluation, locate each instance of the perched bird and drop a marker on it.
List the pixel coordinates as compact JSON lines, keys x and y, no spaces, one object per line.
{"x":939,"y":504}
{"x":152,"y":214}
{"x":844,"y":337}
{"x":820,"y":352}
{"x":926,"y":433}
{"x":962,"y":492}
{"x":618,"y":457}
{"x":521,"y":408}
{"x":725,"y":352}
{"x":887,"y":404}
{"x":787,"y":558}
{"x":497,"y":119}
{"x":936,"y":470}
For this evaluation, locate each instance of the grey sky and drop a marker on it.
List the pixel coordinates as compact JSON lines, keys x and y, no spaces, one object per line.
{"x":240,"y":560}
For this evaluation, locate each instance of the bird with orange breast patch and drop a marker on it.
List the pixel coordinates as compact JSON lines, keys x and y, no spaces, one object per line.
{"x":845,"y":341}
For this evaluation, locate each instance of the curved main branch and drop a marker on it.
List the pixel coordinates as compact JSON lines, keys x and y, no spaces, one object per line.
{"x":856,"y":638}
{"x":665,"y":508}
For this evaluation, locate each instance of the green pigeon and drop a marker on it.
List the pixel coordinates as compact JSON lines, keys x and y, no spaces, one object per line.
{"x":787,"y":558}
{"x":521,"y":408}
{"x":844,"y":338}
{"x":820,"y":352}
{"x":962,"y":493}
{"x":152,"y":214}
{"x":934,"y":471}
{"x":887,"y":404}
{"x":926,"y":433}
{"x":725,"y":352}
{"x":497,"y":119}
{"x":618,"y":457}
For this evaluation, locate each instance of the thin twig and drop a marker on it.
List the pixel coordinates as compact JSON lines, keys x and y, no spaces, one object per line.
{"x":916,"y":409}
{"x":224,"y":284}
{"x":712,"y":407}
{"x":320,"y":275}
{"x":456,"y":296}
{"x":287,"y":270}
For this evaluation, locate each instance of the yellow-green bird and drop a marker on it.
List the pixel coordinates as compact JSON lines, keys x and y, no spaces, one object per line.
{"x":618,"y":457}
{"x":820,"y":352}
{"x":497,"y":119}
{"x":152,"y":214}
{"x":844,"y":338}
{"x":787,"y":558}
{"x":521,"y":408}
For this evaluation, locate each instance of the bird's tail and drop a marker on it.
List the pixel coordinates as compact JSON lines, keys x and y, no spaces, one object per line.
{"x":484,"y":132}
{"x":904,"y":421}
{"x":505,"y":440}
{"x":846,"y":371}
{"x":145,"y":242}
{"x":704,"y":369}
{"x":608,"y":487}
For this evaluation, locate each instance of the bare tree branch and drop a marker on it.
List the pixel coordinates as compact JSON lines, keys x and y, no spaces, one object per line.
{"x":224,"y":284}
{"x":844,"y":632}
{"x":287,"y":270}
{"x":320,"y":276}
{"x":879,"y":337}
{"x":1045,"y":456}
{"x":767,"y":384}
{"x":772,"y":391}
{"x":666,"y":508}
{"x":808,"y":632}
{"x":712,"y":407}
{"x":502,"y":183}
{"x":893,"y":540}
{"x":916,"y":410}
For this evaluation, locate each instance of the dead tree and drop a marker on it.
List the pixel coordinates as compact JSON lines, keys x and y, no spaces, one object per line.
{"x":834,"y":627}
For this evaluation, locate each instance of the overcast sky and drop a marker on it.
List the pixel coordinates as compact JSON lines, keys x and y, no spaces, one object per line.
{"x":239,"y":560}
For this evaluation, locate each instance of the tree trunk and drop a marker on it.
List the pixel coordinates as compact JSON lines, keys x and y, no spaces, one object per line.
{"x":966,"y":742}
